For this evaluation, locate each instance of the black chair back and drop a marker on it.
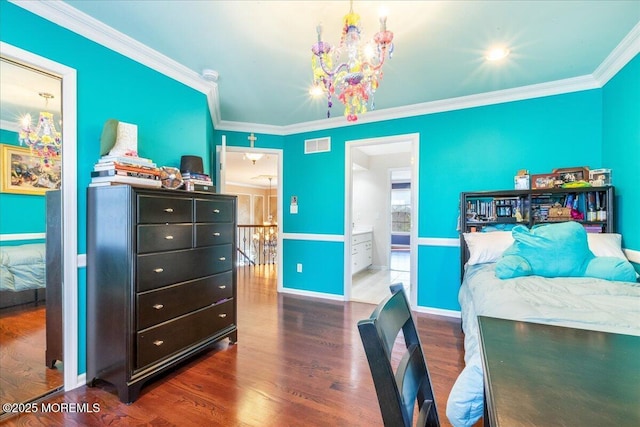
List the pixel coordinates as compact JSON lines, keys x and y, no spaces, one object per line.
{"x":398,"y":390}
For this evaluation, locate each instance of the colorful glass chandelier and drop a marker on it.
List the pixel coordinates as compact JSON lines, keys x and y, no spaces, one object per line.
{"x":358,"y":66}
{"x":44,"y":140}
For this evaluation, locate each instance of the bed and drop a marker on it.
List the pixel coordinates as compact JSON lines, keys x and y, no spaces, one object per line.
{"x":22,"y":274}
{"x":582,"y":302}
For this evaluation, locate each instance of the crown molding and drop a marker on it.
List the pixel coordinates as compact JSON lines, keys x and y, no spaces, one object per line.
{"x":626,"y":50}
{"x":68,"y":17}
{"x":557,"y":87}
{"x":250,"y":127}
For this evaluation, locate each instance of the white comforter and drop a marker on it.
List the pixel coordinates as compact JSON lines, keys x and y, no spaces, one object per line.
{"x":584,"y":303}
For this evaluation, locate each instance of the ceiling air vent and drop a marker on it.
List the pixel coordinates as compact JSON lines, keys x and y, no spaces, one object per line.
{"x":318,"y":145}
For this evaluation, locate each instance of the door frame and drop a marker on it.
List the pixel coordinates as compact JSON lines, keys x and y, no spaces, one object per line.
{"x":220,"y":158}
{"x":414,"y":139}
{"x":69,"y":205}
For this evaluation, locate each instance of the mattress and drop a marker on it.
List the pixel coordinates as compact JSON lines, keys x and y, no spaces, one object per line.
{"x":22,"y":267}
{"x":577,"y":302}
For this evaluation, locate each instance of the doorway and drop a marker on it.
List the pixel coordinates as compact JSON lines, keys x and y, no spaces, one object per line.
{"x":375,"y":212}
{"x":258,"y":186}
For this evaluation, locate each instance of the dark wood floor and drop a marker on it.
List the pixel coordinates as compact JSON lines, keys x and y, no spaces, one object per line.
{"x":24,"y":374}
{"x":298,"y":362}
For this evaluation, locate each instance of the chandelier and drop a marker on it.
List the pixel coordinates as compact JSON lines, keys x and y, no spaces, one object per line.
{"x":45,"y":140}
{"x":353,"y":70}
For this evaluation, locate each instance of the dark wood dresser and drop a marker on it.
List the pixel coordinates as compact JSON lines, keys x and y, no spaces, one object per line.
{"x":161,"y":281}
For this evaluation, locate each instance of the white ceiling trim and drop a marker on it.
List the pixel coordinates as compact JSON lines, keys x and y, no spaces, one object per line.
{"x":72,"y":19}
{"x":626,"y":50}
{"x":68,"y":17}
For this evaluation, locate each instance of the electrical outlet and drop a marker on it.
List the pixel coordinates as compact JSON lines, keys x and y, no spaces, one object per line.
{"x":299,"y":268}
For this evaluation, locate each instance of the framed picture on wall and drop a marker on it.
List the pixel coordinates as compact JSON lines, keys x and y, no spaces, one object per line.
{"x":24,"y":172}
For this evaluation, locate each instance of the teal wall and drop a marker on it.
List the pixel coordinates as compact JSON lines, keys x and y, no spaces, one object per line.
{"x":471,"y":149}
{"x":173,"y":119}
{"x":19,"y":213}
{"x":621,"y":147}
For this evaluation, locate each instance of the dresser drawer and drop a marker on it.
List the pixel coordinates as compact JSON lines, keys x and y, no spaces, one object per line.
{"x":215,"y":210}
{"x":166,"y":268}
{"x":164,"y":237}
{"x":163,"y":340}
{"x":214,"y":234}
{"x":155,"y":209}
{"x":163,"y":304}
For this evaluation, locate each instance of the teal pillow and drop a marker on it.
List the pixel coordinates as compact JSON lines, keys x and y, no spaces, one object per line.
{"x":611,"y":268}
{"x":513,"y":266}
{"x":551,"y":250}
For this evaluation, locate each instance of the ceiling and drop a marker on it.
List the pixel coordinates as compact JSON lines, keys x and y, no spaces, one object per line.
{"x":261,"y":49}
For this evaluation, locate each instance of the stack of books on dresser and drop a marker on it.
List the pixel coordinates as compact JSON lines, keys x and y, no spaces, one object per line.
{"x":198,"y":182}
{"x":136,"y":171}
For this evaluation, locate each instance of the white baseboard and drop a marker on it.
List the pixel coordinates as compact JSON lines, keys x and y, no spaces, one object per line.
{"x":438,"y":311}
{"x":312,"y":294}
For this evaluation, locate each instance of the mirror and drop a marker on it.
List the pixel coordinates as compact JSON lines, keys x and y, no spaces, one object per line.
{"x":30,"y":201}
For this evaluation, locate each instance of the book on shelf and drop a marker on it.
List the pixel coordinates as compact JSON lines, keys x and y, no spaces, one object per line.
{"x":114,"y":172}
{"x":195,"y":175}
{"x":127,"y":159}
{"x":198,"y":181}
{"x":122,"y":166}
{"x":123,"y":179}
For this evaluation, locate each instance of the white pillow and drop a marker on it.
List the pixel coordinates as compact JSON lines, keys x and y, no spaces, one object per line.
{"x":487,"y":247}
{"x":606,"y":244}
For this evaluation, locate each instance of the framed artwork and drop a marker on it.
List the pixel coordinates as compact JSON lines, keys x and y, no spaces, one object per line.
{"x":26,"y":173}
{"x":545,"y":180}
{"x":573,"y":174}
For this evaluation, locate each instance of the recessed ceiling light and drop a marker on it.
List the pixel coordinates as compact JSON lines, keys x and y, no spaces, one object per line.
{"x":497,"y":53}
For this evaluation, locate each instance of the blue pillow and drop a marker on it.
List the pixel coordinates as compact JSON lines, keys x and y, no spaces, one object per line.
{"x":611,"y":268}
{"x":550,"y":250}
{"x":558,"y":250}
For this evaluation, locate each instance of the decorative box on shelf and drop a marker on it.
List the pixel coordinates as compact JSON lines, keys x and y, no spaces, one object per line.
{"x":600,"y":177}
{"x":559,"y":213}
{"x":546,"y":180}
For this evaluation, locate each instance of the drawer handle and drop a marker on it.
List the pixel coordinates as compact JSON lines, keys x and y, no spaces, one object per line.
{"x":169,"y":210}
{"x":158,"y":343}
{"x":222,"y":258}
{"x":159,"y":270}
{"x":222,"y":286}
{"x":222,"y":315}
{"x":216,"y":234}
{"x":158,"y":306}
{"x":168,"y":237}
{"x":216,"y":211}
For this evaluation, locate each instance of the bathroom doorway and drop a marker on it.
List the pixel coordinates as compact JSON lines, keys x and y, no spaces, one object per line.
{"x":380,"y":233}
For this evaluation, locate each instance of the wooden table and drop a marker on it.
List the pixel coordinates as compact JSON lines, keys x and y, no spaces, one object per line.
{"x":542,"y":375}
